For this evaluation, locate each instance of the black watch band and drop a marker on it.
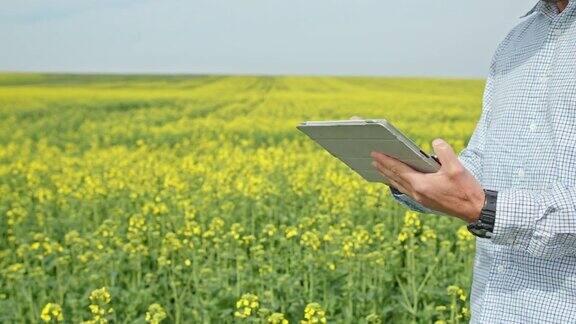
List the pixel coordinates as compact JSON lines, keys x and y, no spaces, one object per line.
{"x":484,"y":226}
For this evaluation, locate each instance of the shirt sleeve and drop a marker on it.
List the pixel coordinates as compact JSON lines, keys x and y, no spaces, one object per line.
{"x":471,"y":156}
{"x":541,"y":222}
{"x":410,"y":203}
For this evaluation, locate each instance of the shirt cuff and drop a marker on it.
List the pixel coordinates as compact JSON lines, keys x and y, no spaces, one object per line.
{"x":395,"y":191}
{"x":411,"y":203}
{"x":516,"y":214}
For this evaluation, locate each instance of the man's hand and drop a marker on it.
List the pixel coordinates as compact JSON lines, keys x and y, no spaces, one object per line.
{"x":452,"y":190}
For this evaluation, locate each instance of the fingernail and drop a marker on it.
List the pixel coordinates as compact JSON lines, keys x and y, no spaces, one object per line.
{"x":374,"y":164}
{"x":373,"y":154}
{"x":437,"y":142}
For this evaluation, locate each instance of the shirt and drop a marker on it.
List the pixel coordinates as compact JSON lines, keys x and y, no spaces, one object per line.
{"x":524,"y":147}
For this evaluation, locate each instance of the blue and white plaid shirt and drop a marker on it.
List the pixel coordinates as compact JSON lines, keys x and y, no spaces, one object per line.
{"x":524,"y":146}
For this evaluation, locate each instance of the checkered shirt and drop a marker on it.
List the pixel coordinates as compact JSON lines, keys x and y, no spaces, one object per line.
{"x":524,"y":146}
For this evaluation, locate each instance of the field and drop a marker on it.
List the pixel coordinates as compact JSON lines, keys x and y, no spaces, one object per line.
{"x":193,"y":199}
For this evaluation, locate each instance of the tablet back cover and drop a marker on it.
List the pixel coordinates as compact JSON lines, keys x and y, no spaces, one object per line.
{"x":353,"y":141}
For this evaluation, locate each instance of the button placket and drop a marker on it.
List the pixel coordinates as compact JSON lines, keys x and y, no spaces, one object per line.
{"x":518,"y":171}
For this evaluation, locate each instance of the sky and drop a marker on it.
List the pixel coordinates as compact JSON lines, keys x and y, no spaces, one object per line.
{"x":442,"y":38}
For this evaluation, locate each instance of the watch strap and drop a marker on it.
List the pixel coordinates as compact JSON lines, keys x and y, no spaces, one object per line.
{"x":485,"y":224}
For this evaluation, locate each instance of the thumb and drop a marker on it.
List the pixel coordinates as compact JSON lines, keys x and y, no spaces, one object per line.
{"x":445,"y":153}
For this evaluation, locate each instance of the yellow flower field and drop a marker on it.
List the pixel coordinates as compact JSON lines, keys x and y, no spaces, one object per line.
{"x":194,"y":199}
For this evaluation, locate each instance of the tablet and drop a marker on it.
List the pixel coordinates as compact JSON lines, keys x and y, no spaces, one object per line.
{"x":352,"y":141}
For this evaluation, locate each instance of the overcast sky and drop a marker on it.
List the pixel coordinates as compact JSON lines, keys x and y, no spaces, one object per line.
{"x":313,"y":37}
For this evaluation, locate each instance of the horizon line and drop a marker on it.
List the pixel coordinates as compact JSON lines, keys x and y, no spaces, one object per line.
{"x":249,"y":74}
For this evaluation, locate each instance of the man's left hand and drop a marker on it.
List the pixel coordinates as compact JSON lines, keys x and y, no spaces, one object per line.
{"x":452,"y":190}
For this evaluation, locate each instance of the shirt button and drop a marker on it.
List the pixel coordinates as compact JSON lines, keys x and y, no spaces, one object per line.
{"x":520,"y":172}
{"x":501,"y":268}
{"x":533,"y":126}
{"x":556,"y":31}
{"x":543,"y":79}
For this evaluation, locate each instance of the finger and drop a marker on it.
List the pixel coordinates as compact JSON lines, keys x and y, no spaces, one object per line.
{"x":385,"y":179}
{"x":445,"y":153}
{"x":396,"y":185}
{"x":391,"y":174}
{"x":400,"y":188}
{"x":400,"y":168}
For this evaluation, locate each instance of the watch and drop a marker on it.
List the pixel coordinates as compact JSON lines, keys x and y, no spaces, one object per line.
{"x":484,"y":226}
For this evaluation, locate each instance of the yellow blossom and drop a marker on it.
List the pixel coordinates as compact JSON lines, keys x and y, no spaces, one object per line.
{"x":313,"y":313}
{"x":277,"y":318}
{"x":291,"y":232}
{"x":246,"y":305}
{"x":310,"y":239}
{"x":464,"y":234}
{"x":456,"y":291}
{"x":101,"y":296}
{"x":428,"y":235}
{"x":155,"y":314}
{"x":403,"y":235}
{"x":52,"y":311}
{"x":99,"y":299}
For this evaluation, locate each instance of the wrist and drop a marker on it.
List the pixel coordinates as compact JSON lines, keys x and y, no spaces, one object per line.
{"x":484,"y":225}
{"x":477,"y":202}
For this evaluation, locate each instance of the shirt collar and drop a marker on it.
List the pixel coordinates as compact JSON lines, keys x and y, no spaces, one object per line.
{"x":534,"y":9}
{"x":545,"y":8}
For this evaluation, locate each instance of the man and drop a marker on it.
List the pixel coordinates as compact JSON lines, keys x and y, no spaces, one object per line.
{"x":515,"y":182}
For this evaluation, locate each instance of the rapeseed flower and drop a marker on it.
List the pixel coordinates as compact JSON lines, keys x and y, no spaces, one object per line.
{"x":99,"y":299}
{"x":246,"y":306}
{"x":464,"y":234}
{"x":291,"y":231}
{"x":412,"y":220}
{"x":155,"y":314}
{"x":404,"y":235}
{"x":456,"y":291}
{"x":313,"y":313}
{"x":52,"y":312}
{"x":348,"y":247}
{"x":428,"y":235}
{"x":269,"y":230}
{"x":277,"y":318}
{"x":310,"y":239}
